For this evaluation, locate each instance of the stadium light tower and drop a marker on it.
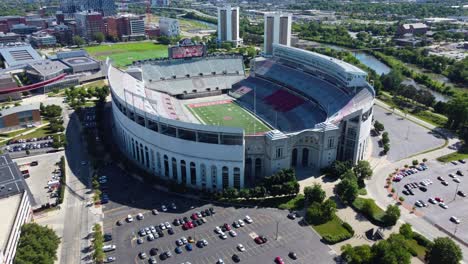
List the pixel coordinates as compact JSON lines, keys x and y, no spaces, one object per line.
{"x":148,"y":11}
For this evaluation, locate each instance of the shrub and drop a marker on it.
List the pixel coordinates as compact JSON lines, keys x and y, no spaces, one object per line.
{"x":415,"y":162}
{"x":348,"y":227}
{"x":424,"y":160}
{"x":401,"y":198}
{"x":333,"y":239}
{"x":421,"y":240}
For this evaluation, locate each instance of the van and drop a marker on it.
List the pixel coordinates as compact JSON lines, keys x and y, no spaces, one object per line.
{"x":108,"y":248}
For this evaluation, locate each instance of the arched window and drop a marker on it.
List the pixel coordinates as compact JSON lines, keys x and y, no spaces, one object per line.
{"x":183,"y":171}
{"x":214,"y":176}
{"x":203,"y":175}
{"x":158,"y":161}
{"x":294,"y":158}
{"x":248,"y":168}
{"x":193,"y":174}
{"x":147,"y":157}
{"x":142,"y":161}
{"x":166,"y":166}
{"x":174,"y":169}
{"x":305,"y":157}
{"x":225,"y":177}
{"x":258,"y":167}
{"x":133,"y":149}
{"x":237,"y":178}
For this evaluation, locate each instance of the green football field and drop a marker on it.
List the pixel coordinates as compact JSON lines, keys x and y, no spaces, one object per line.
{"x":124,"y":54}
{"x":226,"y":113}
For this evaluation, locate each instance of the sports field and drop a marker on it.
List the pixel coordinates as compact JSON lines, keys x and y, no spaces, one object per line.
{"x":124,"y":54}
{"x":227,"y":113}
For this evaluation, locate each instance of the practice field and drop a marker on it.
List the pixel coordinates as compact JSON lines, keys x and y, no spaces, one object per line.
{"x":125,"y":53}
{"x":227,"y":113}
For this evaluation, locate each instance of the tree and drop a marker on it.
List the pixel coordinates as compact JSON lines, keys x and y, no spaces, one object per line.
{"x":391,"y":251}
{"x":379,"y":127}
{"x":406,"y":231}
{"x":314,"y":193}
{"x":99,"y":37}
{"x":392,"y":214}
{"x":392,"y":80}
{"x":37,"y":244}
{"x":356,"y":255}
{"x":337,"y":168}
{"x":347,"y":190}
{"x":79,"y":41}
{"x":444,"y":250}
{"x":363,"y":171}
{"x":328,"y":210}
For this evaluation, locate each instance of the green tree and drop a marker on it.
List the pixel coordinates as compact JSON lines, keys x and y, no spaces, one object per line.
{"x":444,"y":250}
{"x":406,"y":231}
{"x":392,"y":214}
{"x":394,"y":250}
{"x":356,"y":255}
{"x":392,"y":80}
{"x":99,"y":37}
{"x":37,"y":244}
{"x":314,"y":193}
{"x":328,"y":210}
{"x":337,"y":168}
{"x":363,"y":171}
{"x":379,"y":127}
{"x":79,"y":41}
{"x":347,"y":190}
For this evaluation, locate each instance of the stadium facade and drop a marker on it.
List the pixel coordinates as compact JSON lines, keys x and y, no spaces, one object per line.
{"x":316,"y":109}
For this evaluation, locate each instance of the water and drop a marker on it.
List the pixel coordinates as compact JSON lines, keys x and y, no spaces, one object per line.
{"x":381,"y":68}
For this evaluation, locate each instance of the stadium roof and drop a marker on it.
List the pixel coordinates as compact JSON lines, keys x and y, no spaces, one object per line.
{"x":15,"y":55}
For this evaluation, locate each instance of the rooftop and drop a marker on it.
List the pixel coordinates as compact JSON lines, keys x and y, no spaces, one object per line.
{"x":11,"y":179}
{"x":47,"y":67}
{"x":18,"y":109}
{"x":18,"y":54}
{"x":9,"y":207}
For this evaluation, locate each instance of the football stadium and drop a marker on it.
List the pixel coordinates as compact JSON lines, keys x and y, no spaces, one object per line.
{"x":203,"y":122}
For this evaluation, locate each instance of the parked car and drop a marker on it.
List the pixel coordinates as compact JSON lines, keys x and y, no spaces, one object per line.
{"x":292,"y":255}
{"x":140,"y":216}
{"x":459,"y":172}
{"x":279,"y":260}
{"x":142,"y":255}
{"x":155,"y":211}
{"x":163,"y":208}
{"x":455,"y":219}
{"x":109,"y":259}
{"x":461,"y":193}
{"x":260,"y":240}
{"x":129,"y":218}
{"x":248,"y":219}
{"x":443,"y":205}
{"x":108,"y":248}
{"x":241,"y":248}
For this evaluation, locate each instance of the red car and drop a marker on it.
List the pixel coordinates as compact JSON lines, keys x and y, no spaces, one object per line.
{"x":440,"y":200}
{"x":227,"y":227}
{"x":260,"y":240}
{"x":279,"y":260}
{"x":194,"y":216}
{"x":188,"y":225}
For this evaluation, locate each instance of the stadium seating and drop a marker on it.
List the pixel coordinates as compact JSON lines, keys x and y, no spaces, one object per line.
{"x":283,"y":101}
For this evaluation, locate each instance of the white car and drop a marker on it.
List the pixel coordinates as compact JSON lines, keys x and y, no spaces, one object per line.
{"x":452,"y":175}
{"x":233,"y":233}
{"x":184,"y":240}
{"x":241,"y":248}
{"x":218,"y":230}
{"x":222,"y":235}
{"x":162,"y":226}
{"x":443,"y":205}
{"x":205,"y":243}
{"x":456,"y":180}
{"x":140,"y":216}
{"x":150,"y":237}
{"x":455,"y":219}
{"x":167,"y":225}
{"x":129,"y":218}
{"x":108,"y":248}
{"x":248,"y":219}
{"x":241,"y":223}
{"x":220,"y":261}
{"x":163,"y":208}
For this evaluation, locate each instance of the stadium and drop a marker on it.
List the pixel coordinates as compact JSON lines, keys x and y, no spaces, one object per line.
{"x":205,"y":123}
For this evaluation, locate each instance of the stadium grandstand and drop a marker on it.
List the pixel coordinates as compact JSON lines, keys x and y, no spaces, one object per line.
{"x":204,"y":123}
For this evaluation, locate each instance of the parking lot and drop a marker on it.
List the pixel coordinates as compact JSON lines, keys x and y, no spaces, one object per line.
{"x":406,"y":137}
{"x":433,"y":212}
{"x":284,"y":235}
{"x":40,"y":175}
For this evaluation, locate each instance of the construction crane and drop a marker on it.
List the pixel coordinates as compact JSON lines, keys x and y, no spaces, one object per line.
{"x":148,"y":11}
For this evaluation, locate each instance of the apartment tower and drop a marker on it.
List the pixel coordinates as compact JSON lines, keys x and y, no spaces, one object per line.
{"x":228,"y":24}
{"x":277,"y":30}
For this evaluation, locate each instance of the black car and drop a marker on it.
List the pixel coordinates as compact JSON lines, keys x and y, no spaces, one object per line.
{"x":292,"y":215}
{"x":423,"y":189}
{"x":200,"y":244}
{"x":460,"y":173}
{"x":176,"y":222}
{"x":212,"y":210}
{"x":207,"y":212}
{"x":411,"y":192}
{"x":461,"y":193}
{"x":163,"y":256}
{"x":107,"y":237}
{"x":170,"y":231}
{"x":199,"y":222}
{"x":153,"y":251}
{"x":203,"y":213}
{"x":236,"y":258}
{"x":405,"y":192}
{"x":160,"y":233}
{"x":292,"y":255}
{"x":186,"y":219}
{"x":119,"y":223}
{"x":195,"y":224}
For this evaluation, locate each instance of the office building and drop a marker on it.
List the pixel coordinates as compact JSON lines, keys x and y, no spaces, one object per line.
{"x":169,"y":27}
{"x":228,"y":24}
{"x":160,"y":3}
{"x":9,"y":38}
{"x":15,"y":205}
{"x":126,"y":27}
{"x":105,"y":7}
{"x":89,"y":23}
{"x":277,"y":31}
{"x":42,"y":39}
{"x":6,"y":22}
{"x":63,"y":34}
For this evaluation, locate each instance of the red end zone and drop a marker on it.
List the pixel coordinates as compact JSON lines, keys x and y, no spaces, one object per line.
{"x":210,"y":103}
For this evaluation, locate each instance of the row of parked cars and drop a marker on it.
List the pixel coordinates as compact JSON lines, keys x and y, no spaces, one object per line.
{"x":22,"y":140}
{"x":28,"y":146}
{"x":196,"y":219}
{"x":410,"y":171}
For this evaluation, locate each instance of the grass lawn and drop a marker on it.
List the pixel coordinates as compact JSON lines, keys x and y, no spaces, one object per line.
{"x":375,"y":212}
{"x":453,"y":156}
{"x":420,"y":250}
{"x":15,"y":133}
{"x":284,"y":202}
{"x":40,"y":132}
{"x":226,"y":113}
{"x":99,"y":83}
{"x":332,"y":228}
{"x":125,"y":53}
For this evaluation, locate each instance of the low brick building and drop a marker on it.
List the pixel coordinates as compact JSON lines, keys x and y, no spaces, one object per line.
{"x":19,"y":116}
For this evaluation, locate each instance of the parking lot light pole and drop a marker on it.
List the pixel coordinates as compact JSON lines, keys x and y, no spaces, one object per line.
{"x":456,"y":191}
{"x":277,"y":226}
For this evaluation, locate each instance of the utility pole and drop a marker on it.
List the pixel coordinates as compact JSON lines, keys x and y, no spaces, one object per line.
{"x":277,"y":227}
{"x":456,"y":191}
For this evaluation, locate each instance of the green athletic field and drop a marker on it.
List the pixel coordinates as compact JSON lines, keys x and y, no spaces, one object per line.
{"x":124,"y":54}
{"x":228,"y":114}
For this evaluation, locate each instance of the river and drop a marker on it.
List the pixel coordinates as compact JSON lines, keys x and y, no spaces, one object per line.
{"x":381,"y":68}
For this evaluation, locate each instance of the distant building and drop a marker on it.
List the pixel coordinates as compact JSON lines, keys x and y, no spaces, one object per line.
{"x":63,"y":34}
{"x":23,"y":29}
{"x":228,"y":24}
{"x":45,"y":70}
{"x":11,"y":37}
{"x":19,"y":116}
{"x":169,"y":26}
{"x":105,"y":7}
{"x":42,"y":40}
{"x":78,"y":61}
{"x":126,"y":27}
{"x":6,"y":22}
{"x":15,"y":205}
{"x":160,"y":3}
{"x":38,"y":22}
{"x":60,"y":17}
{"x":415,"y":29}
{"x":89,"y":23}
{"x":277,"y":31}
{"x":18,"y":54}
{"x":7,"y":82}
{"x":153,"y":31}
